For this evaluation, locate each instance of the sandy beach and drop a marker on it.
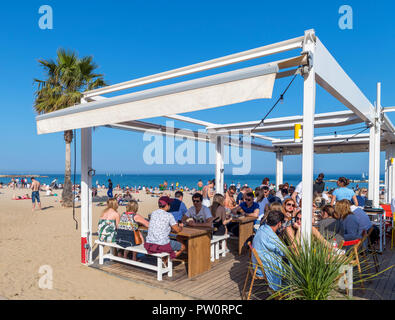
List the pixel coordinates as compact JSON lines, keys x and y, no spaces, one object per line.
{"x":29,"y":240}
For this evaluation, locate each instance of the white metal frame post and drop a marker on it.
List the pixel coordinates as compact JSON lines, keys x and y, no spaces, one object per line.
{"x":376,"y":186}
{"x":389,"y":173}
{"x":387,"y":162}
{"x":372,"y":141}
{"x":279,"y":167}
{"x":309,"y":92}
{"x":86,"y":196}
{"x":219,"y":165}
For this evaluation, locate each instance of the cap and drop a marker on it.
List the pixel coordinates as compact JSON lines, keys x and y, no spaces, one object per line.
{"x":164,"y":200}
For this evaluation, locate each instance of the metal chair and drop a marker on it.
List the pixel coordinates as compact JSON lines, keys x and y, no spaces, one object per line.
{"x":372,"y":250}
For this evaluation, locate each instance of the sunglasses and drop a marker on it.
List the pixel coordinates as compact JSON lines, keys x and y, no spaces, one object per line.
{"x":248,"y":199}
{"x":298,"y":219}
{"x":290,"y":205}
{"x":196,"y":201}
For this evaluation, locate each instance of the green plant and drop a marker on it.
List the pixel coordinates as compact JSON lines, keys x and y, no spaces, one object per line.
{"x":66,"y":78}
{"x":311,"y":271}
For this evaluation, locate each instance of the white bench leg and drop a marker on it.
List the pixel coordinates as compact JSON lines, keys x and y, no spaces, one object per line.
{"x":223,"y":249}
{"x":101,"y":254}
{"x":217,"y":250}
{"x":170,"y":267}
{"x":159,"y":262}
{"x":212,"y":252}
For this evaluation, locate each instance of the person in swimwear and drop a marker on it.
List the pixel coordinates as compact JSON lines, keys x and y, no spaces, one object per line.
{"x":35,"y":193}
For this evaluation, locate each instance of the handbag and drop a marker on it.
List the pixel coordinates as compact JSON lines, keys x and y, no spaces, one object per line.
{"x":137,"y":237}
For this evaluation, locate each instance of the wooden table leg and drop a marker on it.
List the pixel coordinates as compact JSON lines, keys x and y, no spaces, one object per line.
{"x":198,"y":255}
{"x":245,"y":231}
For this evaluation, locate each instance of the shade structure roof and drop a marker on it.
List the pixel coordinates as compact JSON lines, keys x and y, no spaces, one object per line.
{"x":126,"y":111}
{"x":312,"y":62}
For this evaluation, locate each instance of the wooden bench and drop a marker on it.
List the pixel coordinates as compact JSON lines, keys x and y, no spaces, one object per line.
{"x":218,"y":246}
{"x":160,"y":267}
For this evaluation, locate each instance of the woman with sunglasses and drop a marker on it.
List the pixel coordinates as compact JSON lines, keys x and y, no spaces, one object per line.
{"x":289,"y":208}
{"x":362,"y":196}
{"x":292,"y":231}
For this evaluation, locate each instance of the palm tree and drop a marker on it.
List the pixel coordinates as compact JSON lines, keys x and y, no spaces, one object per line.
{"x":67,"y":78}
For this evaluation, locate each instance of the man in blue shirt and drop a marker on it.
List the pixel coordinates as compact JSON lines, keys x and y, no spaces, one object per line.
{"x":177,"y":207}
{"x":363,"y":219}
{"x":248,"y":207}
{"x":269,"y":249}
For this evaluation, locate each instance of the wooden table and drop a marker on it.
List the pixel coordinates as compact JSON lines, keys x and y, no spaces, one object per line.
{"x":246,"y":229}
{"x":198,"y":242}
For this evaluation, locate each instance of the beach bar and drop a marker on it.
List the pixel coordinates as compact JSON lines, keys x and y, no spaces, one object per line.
{"x":312,"y":62}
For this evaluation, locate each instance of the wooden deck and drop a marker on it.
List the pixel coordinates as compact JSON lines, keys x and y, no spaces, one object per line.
{"x":226,"y":278}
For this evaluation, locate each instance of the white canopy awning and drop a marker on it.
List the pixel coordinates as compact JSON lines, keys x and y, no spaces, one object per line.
{"x":209,"y":92}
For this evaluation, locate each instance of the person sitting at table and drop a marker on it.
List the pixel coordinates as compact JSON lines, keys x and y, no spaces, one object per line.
{"x":275,"y":206}
{"x":270,"y":249}
{"x":128,"y":224}
{"x":342,"y":192}
{"x":248,"y":208}
{"x":178,"y":207}
{"x":349,"y":220}
{"x":362,"y":217}
{"x":221,"y":219}
{"x":240,"y":196}
{"x":108,"y":222}
{"x":198,"y":214}
{"x":292,"y":233}
{"x":362,"y":196}
{"x":330,"y":225}
{"x":262,"y":201}
{"x":230,"y":201}
{"x":161,"y":224}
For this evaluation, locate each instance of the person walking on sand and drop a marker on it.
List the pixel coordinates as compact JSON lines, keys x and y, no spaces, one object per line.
{"x":109,"y":192}
{"x":35,"y":193}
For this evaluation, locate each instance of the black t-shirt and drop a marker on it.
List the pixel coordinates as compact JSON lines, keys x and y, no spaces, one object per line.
{"x":319,"y":186}
{"x":175,"y":205}
{"x":110,"y":185}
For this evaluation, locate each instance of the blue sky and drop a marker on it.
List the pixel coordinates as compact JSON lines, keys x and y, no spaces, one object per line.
{"x":130,"y":39}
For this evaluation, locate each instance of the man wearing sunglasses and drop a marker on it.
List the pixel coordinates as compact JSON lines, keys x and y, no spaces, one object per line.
{"x":198,"y":214}
{"x":248,"y":207}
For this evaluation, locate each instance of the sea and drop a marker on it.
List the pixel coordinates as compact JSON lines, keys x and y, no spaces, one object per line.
{"x":191,"y":180}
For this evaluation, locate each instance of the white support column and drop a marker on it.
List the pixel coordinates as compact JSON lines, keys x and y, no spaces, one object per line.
{"x":279,"y":168}
{"x":309,"y":92}
{"x":387,"y":162}
{"x":372,"y":141}
{"x":376,"y":186}
{"x":391,"y":173}
{"x":86,"y":196}
{"x":219,"y":165}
